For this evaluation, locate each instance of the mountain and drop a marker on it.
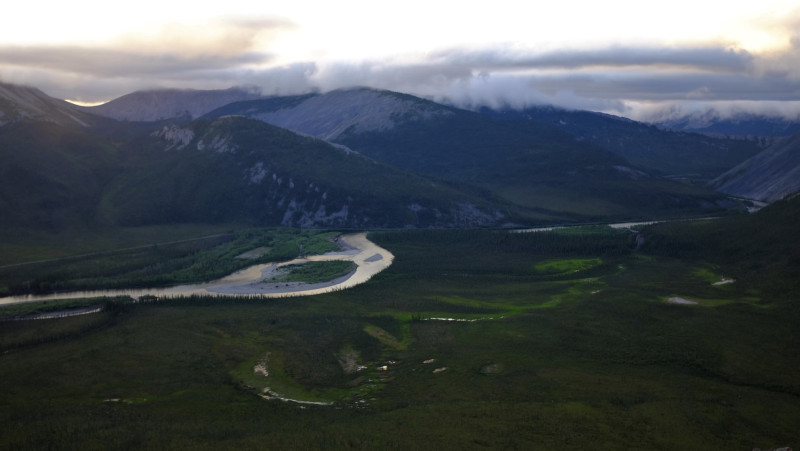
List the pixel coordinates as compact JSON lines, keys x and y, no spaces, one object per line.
{"x":768,"y":176}
{"x":529,"y":163}
{"x":670,"y":153}
{"x":19,"y":103}
{"x":328,"y":116}
{"x":750,"y":125}
{"x":238,"y":169}
{"x":161,"y":104}
{"x":393,"y":160}
{"x":60,"y":173}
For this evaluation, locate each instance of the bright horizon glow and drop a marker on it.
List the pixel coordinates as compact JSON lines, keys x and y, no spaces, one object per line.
{"x":357,"y":29}
{"x":80,"y":103}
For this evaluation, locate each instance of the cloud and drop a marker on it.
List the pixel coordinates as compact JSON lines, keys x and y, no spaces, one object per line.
{"x":122,"y":62}
{"x":667,"y":111}
{"x":221,"y":37}
{"x":713,"y":59}
{"x":626,"y":80}
{"x":199,"y":55}
{"x":169,"y":49}
{"x":284,"y":80}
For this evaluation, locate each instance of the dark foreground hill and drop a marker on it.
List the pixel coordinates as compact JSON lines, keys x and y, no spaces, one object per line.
{"x":52,"y":176}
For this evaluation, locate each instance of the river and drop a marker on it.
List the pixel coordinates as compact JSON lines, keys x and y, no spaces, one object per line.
{"x":368,"y":256}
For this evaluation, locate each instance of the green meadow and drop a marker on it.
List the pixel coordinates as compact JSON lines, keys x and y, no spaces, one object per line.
{"x":471,"y":339}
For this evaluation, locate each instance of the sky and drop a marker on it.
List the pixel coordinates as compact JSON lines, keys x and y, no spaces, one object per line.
{"x":645,"y":60}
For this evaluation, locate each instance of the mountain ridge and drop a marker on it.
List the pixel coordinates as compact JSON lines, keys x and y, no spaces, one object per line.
{"x":356,"y":157}
{"x":671,"y":153}
{"x":18,"y":103}
{"x":162,"y":104}
{"x":529,"y":163}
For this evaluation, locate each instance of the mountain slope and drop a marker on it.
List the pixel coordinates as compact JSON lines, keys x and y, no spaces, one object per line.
{"x":535,"y":165}
{"x":52,"y":176}
{"x":160,"y":104}
{"x":768,"y":176}
{"x":674,"y":154}
{"x":328,"y":116}
{"x":239,"y":169}
{"x":20,"y":103}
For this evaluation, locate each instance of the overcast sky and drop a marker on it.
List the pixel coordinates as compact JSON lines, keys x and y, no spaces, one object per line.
{"x":633,"y":58}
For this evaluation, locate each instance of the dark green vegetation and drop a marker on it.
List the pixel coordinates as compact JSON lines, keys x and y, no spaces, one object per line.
{"x":572,"y":346}
{"x":533,"y":165}
{"x":52,"y":176}
{"x":673,"y":154}
{"x":168,"y":263}
{"x":313,"y":272}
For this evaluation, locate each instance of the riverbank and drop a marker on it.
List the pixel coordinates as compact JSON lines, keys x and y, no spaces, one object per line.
{"x":368,"y":256}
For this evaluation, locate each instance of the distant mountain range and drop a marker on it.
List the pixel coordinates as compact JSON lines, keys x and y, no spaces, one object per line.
{"x":738,"y":125}
{"x":528,"y":163}
{"x":349,"y":158}
{"x":161,"y":104}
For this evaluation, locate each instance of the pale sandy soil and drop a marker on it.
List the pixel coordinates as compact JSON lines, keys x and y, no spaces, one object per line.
{"x":723,"y":282}
{"x":677,"y":300}
{"x":370,"y":258}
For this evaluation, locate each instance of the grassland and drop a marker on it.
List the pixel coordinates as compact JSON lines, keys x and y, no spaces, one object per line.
{"x":162,"y":263}
{"x":313,"y":272}
{"x":471,"y":339}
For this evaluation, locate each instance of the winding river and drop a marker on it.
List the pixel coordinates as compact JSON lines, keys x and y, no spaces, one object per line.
{"x":368,"y":256}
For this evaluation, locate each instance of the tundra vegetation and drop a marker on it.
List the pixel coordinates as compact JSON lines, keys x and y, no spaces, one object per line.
{"x":472,"y":338}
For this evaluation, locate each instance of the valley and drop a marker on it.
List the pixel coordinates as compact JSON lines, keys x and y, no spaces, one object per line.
{"x":366,"y":269}
{"x":470,"y":338}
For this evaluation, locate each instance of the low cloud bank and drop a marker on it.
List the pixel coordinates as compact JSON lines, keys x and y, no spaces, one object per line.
{"x":645,"y":83}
